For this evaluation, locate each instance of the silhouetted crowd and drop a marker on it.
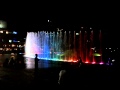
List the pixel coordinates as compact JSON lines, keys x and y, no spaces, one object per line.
{"x":14,"y":62}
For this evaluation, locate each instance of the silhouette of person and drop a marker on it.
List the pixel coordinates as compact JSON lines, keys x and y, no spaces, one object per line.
{"x":36,"y":66}
{"x":36,"y":62}
{"x":63,"y":76}
{"x":11,"y":62}
{"x":61,"y":73}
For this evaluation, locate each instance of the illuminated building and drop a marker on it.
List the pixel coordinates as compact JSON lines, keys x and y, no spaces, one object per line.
{"x":10,"y":42}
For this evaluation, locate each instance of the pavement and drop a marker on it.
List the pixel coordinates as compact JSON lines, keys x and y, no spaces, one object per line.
{"x":85,"y":77}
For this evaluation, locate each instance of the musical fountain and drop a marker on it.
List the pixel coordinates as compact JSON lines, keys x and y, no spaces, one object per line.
{"x":65,"y":46}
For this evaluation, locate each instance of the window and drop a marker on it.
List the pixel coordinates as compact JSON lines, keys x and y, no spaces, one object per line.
{"x":14,"y":32}
{"x":1,"y":31}
{"x":10,"y":41}
{"x":7,"y":32}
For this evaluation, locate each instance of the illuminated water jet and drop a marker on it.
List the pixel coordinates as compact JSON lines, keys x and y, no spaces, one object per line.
{"x":62,"y":46}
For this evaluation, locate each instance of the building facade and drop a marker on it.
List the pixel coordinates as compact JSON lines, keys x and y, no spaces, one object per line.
{"x":10,"y":42}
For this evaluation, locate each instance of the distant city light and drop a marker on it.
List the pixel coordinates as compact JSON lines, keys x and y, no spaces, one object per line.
{"x":3,"y":24}
{"x":90,"y":28}
{"x":97,"y":54}
{"x":10,"y":41}
{"x":77,"y":33}
{"x":1,"y":31}
{"x":14,"y":32}
{"x":113,"y":60}
{"x":81,"y":27}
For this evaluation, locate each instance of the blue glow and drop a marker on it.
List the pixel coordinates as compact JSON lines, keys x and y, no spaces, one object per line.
{"x":14,"y":32}
{"x":59,"y":46}
{"x":46,"y":45}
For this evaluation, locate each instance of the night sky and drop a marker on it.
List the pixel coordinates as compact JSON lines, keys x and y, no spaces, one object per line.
{"x":36,"y":20}
{"x":34,"y":17}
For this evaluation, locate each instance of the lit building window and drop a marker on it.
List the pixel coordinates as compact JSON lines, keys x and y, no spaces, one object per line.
{"x":15,"y":48}
{"x":3,"y":24}
{"x":77,"y":33}
{"x":7,"y":32}
{"x":1,"y":48}
{"x":1,"y":31}
{"x":7,"y":49}
{"x":13,"y":45}
{"x":10,"y":41}
{"x":14,"y":32}
{"x":14,"y":41}
{"x":19,"y":45}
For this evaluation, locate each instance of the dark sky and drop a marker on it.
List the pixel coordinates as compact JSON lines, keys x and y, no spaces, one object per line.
{"x":34,"y":20}
{"x":27,"y":17}
{"x":33,"y":16}
{"x":98,"y":13}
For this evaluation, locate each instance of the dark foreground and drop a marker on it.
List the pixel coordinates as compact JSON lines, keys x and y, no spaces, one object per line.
{"x":86,"y":77}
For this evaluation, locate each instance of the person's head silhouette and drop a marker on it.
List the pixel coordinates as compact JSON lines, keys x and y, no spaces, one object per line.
{"x":36,"y":55}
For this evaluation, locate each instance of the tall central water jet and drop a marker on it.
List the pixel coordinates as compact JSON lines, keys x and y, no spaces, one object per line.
{"x":60,"y":45}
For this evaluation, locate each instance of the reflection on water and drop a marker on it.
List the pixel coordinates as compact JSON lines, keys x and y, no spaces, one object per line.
{"x":30,"y":64}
